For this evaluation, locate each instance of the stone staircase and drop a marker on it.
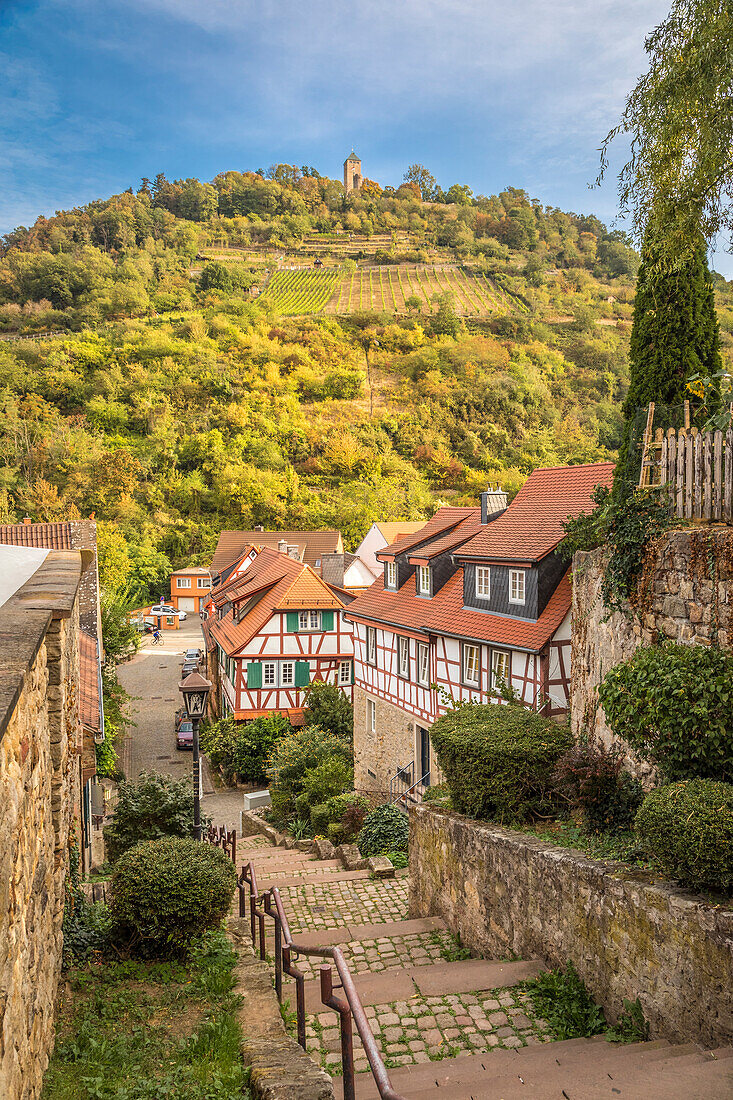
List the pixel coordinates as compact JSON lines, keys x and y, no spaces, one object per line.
{"x":446,"y":1025}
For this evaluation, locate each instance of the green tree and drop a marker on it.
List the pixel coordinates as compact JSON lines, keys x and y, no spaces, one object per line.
{"x":328,"y":708}
{"x":153,"y":807}
{"x":418,"y":174}
{"x":674,"y":335}
{"x":680,"y":120}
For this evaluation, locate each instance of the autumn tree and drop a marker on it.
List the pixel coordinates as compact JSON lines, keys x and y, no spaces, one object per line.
{"x":419,"y":175}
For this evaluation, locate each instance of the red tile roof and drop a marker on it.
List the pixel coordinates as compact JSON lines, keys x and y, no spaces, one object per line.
{"x":311,"y":544}
{"x":89,"y":709}
{"x":446,"y":614}
{"x":45,"y":536}
{"x":531,"y":527}
{"x":444,"y":520}
{"x":273,"y":581}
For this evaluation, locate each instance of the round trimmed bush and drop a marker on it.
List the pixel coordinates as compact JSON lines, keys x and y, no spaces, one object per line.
{"x":386,"y":829}
{"x":167,"y":892}
{"x":499,"y":760}
{"x":688,"y":828}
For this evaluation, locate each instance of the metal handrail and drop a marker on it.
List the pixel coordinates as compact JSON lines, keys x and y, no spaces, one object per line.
{"x":405,"y":794}
{"x":348,"y":1010}
{"x":399,"y":775}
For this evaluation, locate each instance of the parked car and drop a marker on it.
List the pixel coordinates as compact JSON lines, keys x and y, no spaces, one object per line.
{"x":166,"y":610}
{"x":189,"y":667}
{"x":184,"y":734}
{"x":192,"y":655}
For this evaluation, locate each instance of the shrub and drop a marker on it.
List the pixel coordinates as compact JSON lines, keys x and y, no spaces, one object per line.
{"x":155,"y":806}
{"x":560,"y":997}
{"x":242,"y":748}
{"x":595,"y":783}
{"x":167,"y":892}
{"x":499,"y":760}
{"x":293,"y":756}
{"x":672,"y":704}
{"x":688,"y":828}
{"x":386,"y":829}
{"x":341,"y":817}
{"x":328,"y":707}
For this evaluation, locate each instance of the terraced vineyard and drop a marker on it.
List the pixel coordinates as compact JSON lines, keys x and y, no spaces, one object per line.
{"x":387,"y":289}
{"x":301,"y":290}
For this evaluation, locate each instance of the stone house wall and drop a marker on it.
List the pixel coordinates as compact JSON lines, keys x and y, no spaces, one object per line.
{"x":393,"y":744}
{"x":40,"y":803}
{"x":684,"y":594}
{"x":628,"y":935}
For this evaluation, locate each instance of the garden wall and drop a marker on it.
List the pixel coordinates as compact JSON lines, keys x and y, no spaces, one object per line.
{"x":684,"y":594}
{"x":628,"y":936}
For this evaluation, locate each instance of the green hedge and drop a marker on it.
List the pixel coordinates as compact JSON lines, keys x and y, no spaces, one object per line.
{"x":673,"y":704}
{"x":386,"y":829}
{"x":688,"y":828}
{"x":167,"y":892}
{"x":499,"y":760}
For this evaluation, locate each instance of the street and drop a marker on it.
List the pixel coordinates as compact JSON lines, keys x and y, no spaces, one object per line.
{"x":151,"y":678}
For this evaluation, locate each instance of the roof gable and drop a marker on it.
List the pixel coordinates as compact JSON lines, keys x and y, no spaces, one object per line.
{"x":444,"y":520}
{"x":311,"y":545}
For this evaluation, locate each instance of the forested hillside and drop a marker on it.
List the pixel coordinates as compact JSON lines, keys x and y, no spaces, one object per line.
{"x":175,"y":397}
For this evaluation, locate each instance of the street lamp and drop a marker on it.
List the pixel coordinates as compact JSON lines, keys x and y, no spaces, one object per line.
{"x":195,"y":691}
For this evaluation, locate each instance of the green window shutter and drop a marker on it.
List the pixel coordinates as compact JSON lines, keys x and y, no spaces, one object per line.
{"x":292,"y":622}
{"x":352,"y":672}
{"x":327,"y":620}
{"x":302,"y":674}
{"x":254,"y":674}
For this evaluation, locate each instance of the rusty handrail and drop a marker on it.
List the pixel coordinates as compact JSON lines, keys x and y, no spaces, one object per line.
{"x":352,"y":1008}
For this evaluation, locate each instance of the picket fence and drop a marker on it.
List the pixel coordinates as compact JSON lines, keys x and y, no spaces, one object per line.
{"x":696,"y":469}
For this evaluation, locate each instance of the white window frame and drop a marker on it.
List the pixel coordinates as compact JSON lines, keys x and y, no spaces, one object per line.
{"x":483,"y":582}
{"x":345,"y":672}
{"x":390,"y":575}
{"x":423,"y":580}
{"x":371,"y":716}
{"x":423,"y":664}
{"x":501,"y":657}
{"x":183,"y":582}
{"x":468,"y":649}
{"x":314,"y":620}
{"x":371,"y":645}
{"x":271,"y":667}
{"x":287,"y":678}
{"x":203,"y":582}
{"x":403,"y":657}
{"x":517,"y":579}
{"x":302,"y":620}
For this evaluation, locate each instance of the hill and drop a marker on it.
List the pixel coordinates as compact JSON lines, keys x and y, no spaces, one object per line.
{"x":201,"y":372}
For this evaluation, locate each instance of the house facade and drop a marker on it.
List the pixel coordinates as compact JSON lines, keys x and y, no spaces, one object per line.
{"x":190,"y":588}
{"x":474,"y":606}
{"x":274,"y":628}
{"x":308,"y":547}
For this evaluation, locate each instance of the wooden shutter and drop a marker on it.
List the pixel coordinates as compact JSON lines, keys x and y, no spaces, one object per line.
{"x":292,"y":622}
{"x":254,"y":674}
{"x":327,"y":620}
{"x":302,"y":674}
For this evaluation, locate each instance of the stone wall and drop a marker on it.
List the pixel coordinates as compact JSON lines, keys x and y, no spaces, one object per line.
{"x":628,"y":936}
{"x":684,"y":594}
{"x":378,"y":755}
{"x":40,"y":738}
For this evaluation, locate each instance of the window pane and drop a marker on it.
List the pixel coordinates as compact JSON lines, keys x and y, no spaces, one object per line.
{"x":303,"y":620}
{"x":270,"y":674}
{"x":314,"y":616}
{"x":287,"y":673}
{"x":482,"y":581}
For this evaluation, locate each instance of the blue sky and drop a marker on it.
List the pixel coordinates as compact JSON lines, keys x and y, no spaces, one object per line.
{"x":95,"y":94}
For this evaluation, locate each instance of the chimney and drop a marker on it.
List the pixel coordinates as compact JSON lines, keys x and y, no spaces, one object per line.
{"x":259,"y":527}
{"x":26,"y":519}
{"x":493,"y":503}
{"x":294,"y":552}
{"x":282,"y":546}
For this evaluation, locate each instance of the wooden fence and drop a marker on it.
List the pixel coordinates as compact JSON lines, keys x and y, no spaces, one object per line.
{"x":696,"y":469}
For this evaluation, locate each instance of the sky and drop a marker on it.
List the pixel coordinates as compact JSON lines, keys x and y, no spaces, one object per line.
{"x":96,"y":94}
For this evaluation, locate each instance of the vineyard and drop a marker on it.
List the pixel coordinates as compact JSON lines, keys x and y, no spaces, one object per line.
{"x":388,"y":289}
{"x":301,"y":290}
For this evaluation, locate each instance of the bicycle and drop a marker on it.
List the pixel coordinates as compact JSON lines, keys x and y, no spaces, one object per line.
{"x":158,"y":640}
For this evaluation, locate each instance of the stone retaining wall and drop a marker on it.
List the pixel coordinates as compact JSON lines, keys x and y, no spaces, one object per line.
{"x":504,"y":892}
{"x":684,"y":594}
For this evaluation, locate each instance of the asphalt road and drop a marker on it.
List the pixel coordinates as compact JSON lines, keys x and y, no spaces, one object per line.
{"x":151,"y":678}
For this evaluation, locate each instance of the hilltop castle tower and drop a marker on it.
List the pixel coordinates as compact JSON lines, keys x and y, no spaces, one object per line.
{"x":352,"y":173}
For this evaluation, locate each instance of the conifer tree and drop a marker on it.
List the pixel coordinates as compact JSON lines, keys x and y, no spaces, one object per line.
{"x":674,"y":335}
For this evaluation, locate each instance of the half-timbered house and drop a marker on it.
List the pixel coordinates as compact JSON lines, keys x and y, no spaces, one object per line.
{"x":474,"y":606}
{"x":273,"y":628}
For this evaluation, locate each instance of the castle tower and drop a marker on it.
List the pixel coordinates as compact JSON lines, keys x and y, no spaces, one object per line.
{"x":352,"y":173}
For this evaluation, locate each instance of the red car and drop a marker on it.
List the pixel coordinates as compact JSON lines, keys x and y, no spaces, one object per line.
{"x":184,"y":734}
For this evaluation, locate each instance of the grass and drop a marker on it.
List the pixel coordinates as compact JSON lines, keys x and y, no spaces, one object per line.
{"x":623,"y":846}
{"x":454,"y":951}
{"x":148,"y":1030}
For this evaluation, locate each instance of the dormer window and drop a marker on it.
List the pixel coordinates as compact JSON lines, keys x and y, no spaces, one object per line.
{"x":483,"y":582}
{"x":423,"y":580}
{"x":516,"y":586}
{"x":390,"y":575}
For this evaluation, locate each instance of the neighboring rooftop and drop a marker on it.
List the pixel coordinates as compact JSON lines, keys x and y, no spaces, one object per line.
{"x":311,"y":545}
{"x":191,"y":571}
{"x":444,"y":521}
{"x":531,"y":527}
{"x":90,"y":711}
